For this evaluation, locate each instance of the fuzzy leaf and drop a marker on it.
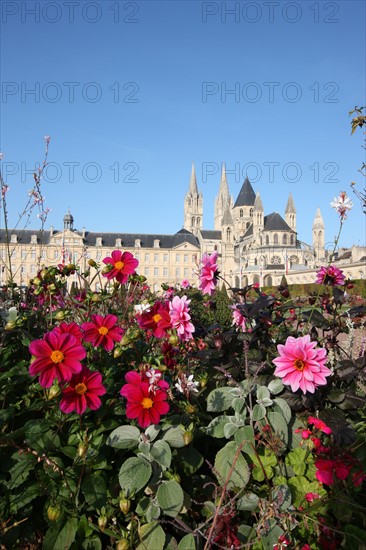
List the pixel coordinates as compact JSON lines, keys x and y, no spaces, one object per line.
{"x":134,"y":474}
{"x":170,"y":498}
{"x":151,"y":536}
{"x":239,"y":474}
{"x":221,"y":399}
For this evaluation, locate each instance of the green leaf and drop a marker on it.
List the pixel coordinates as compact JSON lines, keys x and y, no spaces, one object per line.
{"x":67,"y":535}
{"x":221,"y":399}
{"x":300,"y":486}
{"x":187,"y":543}
{"x":259,"y":412}
{"x":190,"y":460}
{"x":264,"y":459}
{"x":238,"y":405}
{"x":246,"y":435}
{"x":153,"y":512}
{"x":275,"y":386}
{"x":229,"y":429}
{"x":170,"y":498}
{"x":281,"y":495}
{"x":230,"y":462}
{"x":270,"y":537}
{"x":124,"y":437}
{"x":24,"y":464}
{"x":92,"y":543}
{"x":262,"y":393}
{"x":248,"y":502}
{"x":174,"y":436}
{"x":151,"y":536}
{"x":279,"y":426}
{"x":134,"y":474}
{"x":160,"y":451}
{"x":94,"y":490}
{"x":281,"y":406}
{"x":216,"y":427}
{"x":296,"y":459}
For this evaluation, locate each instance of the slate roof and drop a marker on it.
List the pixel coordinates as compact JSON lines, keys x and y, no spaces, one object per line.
{"x":275,"y":222}
{"x":109,"y":239}
{"x":211,"y":234}
{"x":246,"y":195}
{"x":275,"y":266}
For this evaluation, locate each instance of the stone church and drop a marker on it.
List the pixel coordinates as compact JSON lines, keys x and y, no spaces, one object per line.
{"x":254,"y":246}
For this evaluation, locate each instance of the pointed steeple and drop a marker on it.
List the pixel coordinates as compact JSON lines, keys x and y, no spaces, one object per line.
{"x":246,"y":195}
{"x":290,"y":213}
{"x":318,"y":235}
{"x":193,"y":189}
{"x":290,"y":207}
{"x":227,"y":218}
{"x":318,"y":220}
{"x":258,"y":206}
{"x":223,"y":198}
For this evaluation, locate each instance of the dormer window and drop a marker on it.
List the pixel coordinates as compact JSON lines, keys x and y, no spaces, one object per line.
{"x":137,"y":243}
{"x":119,"y":242}
{"x":156,"y":243}
{"x":98,"y":241}
{"x":13,"y":239}
{"x":34,"y":239}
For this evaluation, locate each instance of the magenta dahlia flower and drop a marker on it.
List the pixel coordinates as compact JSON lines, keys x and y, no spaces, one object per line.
{"x":57,"y":356}
{"x":123,"y":265}
{"x":209,"y":273}
{"x":330,"y":275}
{"x":145,"y":401}
{"x":238,"y":318}
{"x":103,"y":331}
{"x":180,"y":318}
{"x":300,"y":365}
{"x":83,"y":391}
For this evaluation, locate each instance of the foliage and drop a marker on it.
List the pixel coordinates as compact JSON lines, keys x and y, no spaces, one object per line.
{"x":233,"y":460}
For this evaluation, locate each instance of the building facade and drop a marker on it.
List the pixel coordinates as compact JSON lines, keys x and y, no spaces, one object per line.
{"x":252,"y":246}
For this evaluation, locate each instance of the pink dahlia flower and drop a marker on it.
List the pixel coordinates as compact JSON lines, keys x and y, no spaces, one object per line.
{"x":103,"y":331}
{"x":123,"y":265}
{"x":57,"y":356}
{"x":209,"y":273}
{"x":180,"y":318}
{"x":300,"y":365}
{"x":83,"y":391}
{"x":330,"y":276}
{"x":238,"y":318}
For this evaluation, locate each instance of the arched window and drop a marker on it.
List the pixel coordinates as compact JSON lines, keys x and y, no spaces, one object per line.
{"x":198,"y":221}
{"x":228,"y":234}
{"x":241,"y":212}
{"x":292,"y":238}
{"x":193,"y":222}
{"x":251,"y":212}
{"x":267,"y":240}
{"x":284,"y":238}
{"x":255,"y":261}
{"x":189,"y":202}
{"x":247,"y":224}
{"x":261,"y":240}
{"x":275,"y":238}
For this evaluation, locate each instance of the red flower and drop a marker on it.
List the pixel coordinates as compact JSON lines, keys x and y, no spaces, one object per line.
{"x":69,"y":328}
{"x":144,"y":405}
{"x":102,"y":331}
{"x":83,"y":391}
{"x":330,"y":275}
{"x":57,"y":356}
{"x":319,"y":425}
{"x":157,"y":319}
{"x":123,"y":265}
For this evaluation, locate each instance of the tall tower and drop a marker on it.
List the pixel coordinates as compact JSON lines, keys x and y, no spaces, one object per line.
{"x":222,"y":200}
{"x":68,"y":221}
{"x":193,"y":206}
{"x":258,"y":221}
{"x":290,"y":212}
{"x":318,"y":235}
{"x":243,"y":208}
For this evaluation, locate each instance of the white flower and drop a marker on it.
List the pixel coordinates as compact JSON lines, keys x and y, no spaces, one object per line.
{"x":186,"y":385}
{"x":153,"y":376}
{"x":140,"y":308}
{"x":342,"y":203}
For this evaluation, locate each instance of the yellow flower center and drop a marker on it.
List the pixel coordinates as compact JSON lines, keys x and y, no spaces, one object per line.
{"x":119,"y":265}
{"x":103,"y":331}
{"x":147,"y":403}
{"x":157,"y":317}
{"x":57,"y":356}
{"x":299,"y":364}
{"x":81,"y":388}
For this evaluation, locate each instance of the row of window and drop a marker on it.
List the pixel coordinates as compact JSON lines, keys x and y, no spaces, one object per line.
{"x":157,"y":273}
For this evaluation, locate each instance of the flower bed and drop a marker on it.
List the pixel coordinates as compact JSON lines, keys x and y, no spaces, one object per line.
{"x":192,"y":419}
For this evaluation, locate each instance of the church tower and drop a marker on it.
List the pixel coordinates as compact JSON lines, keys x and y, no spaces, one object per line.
{"x":193,"y":206}
{"x":258,"y":221}
{"x":243,"y":208}
{"x":222,"y":199}
{"x":318,"y":236}
{"x":290,"y":213}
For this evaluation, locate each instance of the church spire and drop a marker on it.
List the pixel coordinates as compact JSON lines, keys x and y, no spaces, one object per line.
{"x":318,"y":235}
{"x":223,"y":198}
{"x":290,"y":213}
{"x":193,"y":205}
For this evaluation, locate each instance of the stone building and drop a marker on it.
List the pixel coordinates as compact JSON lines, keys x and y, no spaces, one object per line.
{"x":252,"y":246}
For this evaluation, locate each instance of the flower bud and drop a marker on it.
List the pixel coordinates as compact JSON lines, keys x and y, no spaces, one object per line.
{"x":53,"y":513}
{"x":53,"y":391}
{"x":190,"y":409}
{"x":92,"y":263}
{"x":10,"y":325}
{"x":102,"y":522}
{"x":82,"y":448}
{"x":173,"y":339}
{"x":117,"y":352}
{"x":187,"y":437}
{"x":60,"y":315}
{"x":96,"y":298}
{"x":122,"y":544}
{"x":125,"y":505}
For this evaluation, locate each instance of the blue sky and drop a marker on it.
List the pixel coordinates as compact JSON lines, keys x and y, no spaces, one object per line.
{"x":132,"y":92}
